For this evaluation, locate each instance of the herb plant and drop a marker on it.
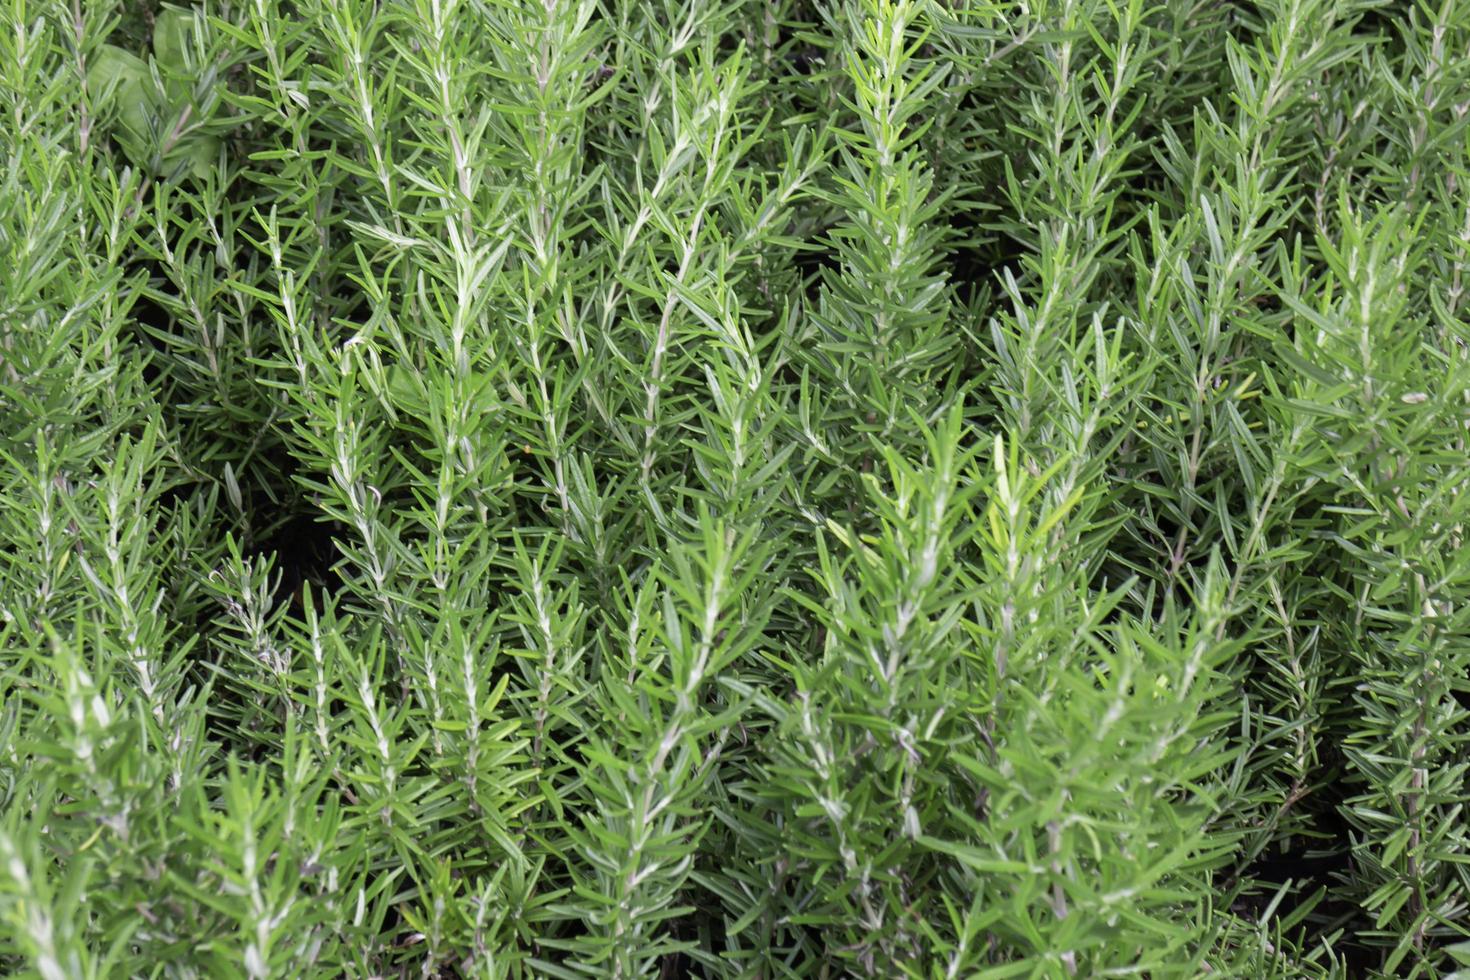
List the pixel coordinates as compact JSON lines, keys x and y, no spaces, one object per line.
{"x":734,"y":488}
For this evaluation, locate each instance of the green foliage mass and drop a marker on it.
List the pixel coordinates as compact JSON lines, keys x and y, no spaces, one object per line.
{"x":734,"y":488}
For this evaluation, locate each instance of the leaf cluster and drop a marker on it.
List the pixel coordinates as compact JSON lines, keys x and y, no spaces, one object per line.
{"x":752,"y":489}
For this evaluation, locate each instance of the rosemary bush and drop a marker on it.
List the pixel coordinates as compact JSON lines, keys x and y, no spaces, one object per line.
{"x":734,"y":488}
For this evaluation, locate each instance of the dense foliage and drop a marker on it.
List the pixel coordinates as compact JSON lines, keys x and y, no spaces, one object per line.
{"x":734,"y":488}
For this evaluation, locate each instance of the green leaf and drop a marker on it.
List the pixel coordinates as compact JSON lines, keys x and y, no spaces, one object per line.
{"x":173,"y":35}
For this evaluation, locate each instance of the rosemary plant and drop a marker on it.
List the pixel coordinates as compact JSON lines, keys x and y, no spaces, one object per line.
{"x":734,"y":488}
